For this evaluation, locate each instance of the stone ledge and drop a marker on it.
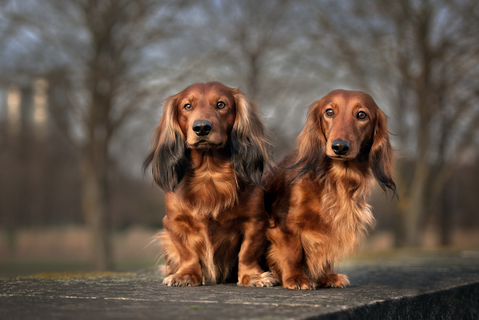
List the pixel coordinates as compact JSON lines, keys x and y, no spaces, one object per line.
{"x":400,"y":285}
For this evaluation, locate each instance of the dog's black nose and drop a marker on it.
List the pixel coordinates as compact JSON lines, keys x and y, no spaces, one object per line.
{"x":340,"y":147}
{"x":202,"y":127}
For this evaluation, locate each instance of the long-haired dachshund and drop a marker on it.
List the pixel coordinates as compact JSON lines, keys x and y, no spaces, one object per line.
{"x":208,"y":155}
{"x":317,"y":196}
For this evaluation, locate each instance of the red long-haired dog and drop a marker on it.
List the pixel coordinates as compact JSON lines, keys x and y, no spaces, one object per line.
{"x":208,"y":155}
{"x":317,"y":196}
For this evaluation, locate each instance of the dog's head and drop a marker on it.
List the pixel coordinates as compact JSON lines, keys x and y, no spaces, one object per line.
{"x":347,"y":126}
{"x":208,"y":116}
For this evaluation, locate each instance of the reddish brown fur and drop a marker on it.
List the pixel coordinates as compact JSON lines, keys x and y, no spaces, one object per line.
{"x":317,"y":200}
{"x":215,"y":218}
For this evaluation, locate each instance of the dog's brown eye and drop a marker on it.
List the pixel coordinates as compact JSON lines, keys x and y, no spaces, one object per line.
{"x":187,"y":106}
{"x":220,"y":105}
{"x":329,"y":112}
{"x":362,"y":115}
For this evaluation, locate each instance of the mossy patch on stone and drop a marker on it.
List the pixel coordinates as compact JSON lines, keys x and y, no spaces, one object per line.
{"x":69,"y":275}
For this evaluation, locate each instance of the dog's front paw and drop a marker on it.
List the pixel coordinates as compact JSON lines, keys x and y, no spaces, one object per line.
{"x":264,"y":279}
{"x":334,"y":280}
{"x":268,"y":280}
{"x":182,"y":280}
{"x":299,"y":282}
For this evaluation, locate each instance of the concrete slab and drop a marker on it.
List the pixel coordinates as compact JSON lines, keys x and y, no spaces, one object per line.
{"x":398,"y":285}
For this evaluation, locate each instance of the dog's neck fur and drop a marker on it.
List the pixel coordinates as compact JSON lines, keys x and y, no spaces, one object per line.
{"x":210,"y":185}
{"x":345,"y":194}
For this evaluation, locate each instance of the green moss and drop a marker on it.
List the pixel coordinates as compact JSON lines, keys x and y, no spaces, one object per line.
{"x":69,"y":275}
{"x":195,"y":307}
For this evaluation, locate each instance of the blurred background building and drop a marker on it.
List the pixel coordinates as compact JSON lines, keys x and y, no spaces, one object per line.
{"x":82,"y":85}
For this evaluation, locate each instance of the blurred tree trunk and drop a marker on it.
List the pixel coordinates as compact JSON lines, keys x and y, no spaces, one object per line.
{"x":411,"y":208}
{"x":102,"y":72}
{"x":445,"y":217}
{"x":95,"y":154}
{"x":94,"y":205}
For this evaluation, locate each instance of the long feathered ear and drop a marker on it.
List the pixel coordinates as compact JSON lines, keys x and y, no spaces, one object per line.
{"x":250,"y":148}
{"x":168,"y":152}
{"x":381,"y":154}
{"x":311,"y":143}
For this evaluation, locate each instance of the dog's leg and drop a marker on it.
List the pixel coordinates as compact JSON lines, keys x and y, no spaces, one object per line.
{"x":182,"y":248}
{"x":253,"y":246}
{"x":285,"y":257}
{"x":333,"y":280}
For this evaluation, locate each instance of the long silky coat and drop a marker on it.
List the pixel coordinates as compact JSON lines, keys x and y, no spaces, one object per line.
{"x":317,"y":196}
{"x":208,"y":155}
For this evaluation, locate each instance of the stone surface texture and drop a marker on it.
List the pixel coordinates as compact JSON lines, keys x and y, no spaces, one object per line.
{"x":396,"y":285}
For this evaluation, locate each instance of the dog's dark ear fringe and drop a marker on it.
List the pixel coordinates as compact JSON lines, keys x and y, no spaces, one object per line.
{"x":249,"y":145}
{"x":310,"y":161}
{"x":381,"y":155}
{"x":168,"y":163}
{"x":311,"y":143}
{"x":247,"y":160}
{"x":168,"y":155}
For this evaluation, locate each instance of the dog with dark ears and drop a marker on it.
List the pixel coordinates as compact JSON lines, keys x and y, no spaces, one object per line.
{"x":208,"y":155}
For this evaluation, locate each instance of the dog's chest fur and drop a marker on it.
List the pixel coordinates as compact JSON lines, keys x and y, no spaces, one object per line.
{"x":338,"y":215}
{"x":209,"y":187}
